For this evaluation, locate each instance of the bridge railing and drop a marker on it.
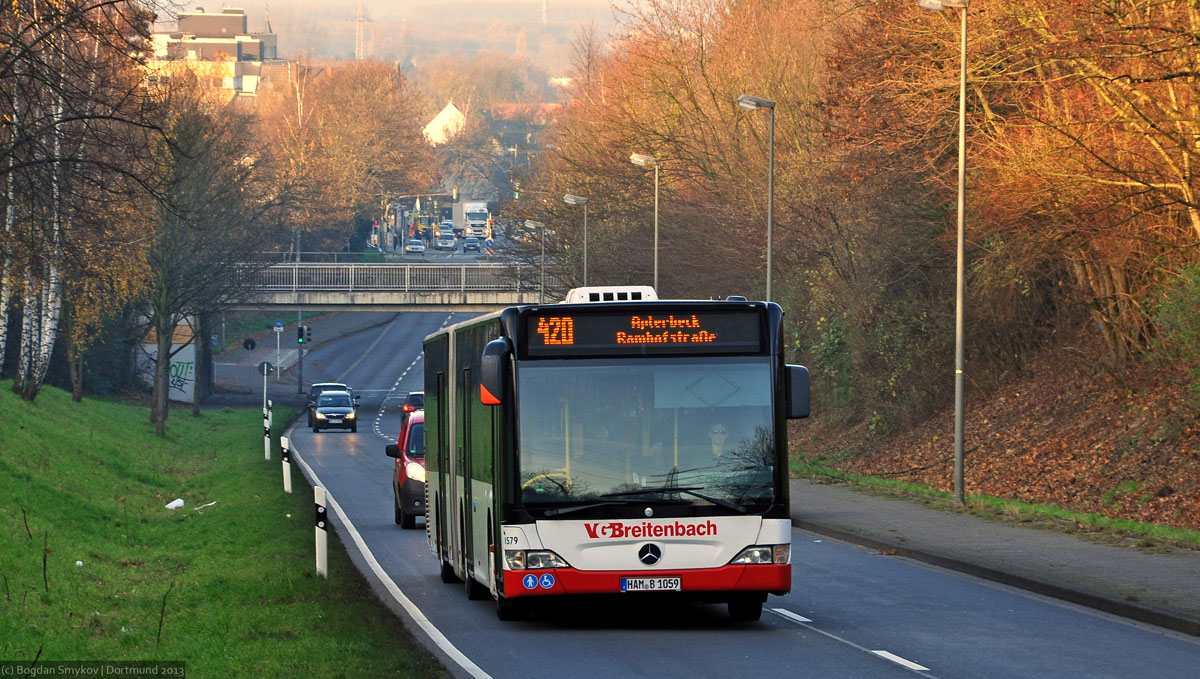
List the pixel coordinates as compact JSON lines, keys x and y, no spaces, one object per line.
{"x":393,"y":277}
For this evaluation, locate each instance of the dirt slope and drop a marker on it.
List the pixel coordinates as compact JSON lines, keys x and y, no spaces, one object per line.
{"x":1064,"y":434}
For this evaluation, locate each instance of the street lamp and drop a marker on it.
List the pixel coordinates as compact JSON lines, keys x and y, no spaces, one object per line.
{"x":642,"y":160}
{"x":530,"y":224}
{"x":939,"y":5}
{"x":752,"y":103}
{"x":571,"y":199}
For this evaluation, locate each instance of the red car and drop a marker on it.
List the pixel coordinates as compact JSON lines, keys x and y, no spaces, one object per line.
{"x":408,"y":480}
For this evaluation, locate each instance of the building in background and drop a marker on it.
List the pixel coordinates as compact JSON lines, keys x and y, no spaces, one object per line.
{"x":445,"y":125}
{"x":219,"y":48}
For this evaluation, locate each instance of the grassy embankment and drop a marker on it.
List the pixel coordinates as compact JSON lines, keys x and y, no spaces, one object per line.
{"x":93,"y":567}
{"x":242,"y":324}
{"x":1007,"y":509}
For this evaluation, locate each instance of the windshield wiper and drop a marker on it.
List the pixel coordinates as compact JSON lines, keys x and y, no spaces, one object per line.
{"x":686,"y":490}
{"x":567,"y":510}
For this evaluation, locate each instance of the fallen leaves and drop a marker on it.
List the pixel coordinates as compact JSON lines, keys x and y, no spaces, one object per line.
{"x":1067,"y":438}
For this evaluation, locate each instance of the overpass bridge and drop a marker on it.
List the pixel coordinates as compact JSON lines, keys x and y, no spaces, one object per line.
{"x":387,"y":287}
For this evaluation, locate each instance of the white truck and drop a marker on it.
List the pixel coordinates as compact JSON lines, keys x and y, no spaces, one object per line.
{"x":476,"y":218}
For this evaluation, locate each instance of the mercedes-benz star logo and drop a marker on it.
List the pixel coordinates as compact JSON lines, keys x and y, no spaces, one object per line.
{"x":649,"y":554}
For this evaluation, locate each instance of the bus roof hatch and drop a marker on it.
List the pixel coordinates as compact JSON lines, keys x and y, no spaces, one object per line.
{"x":614,"y":293}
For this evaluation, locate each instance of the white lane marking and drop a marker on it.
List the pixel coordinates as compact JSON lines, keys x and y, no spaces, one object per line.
{"x":790,"y":615}
{"x":908,"y":665}
{"x":382,"y":409}
{"x":370,"y":350}
{"x":418,"y":616}
{"x":901,"y":661}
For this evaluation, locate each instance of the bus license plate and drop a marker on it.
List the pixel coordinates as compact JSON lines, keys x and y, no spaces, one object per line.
{"x":651,"y":584}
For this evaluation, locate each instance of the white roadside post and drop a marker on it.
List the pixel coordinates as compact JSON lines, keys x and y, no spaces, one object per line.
{"x":285,"y":451}
{"x":322,"y":521}
{"x":267,"y":431}
{"x":265,"y":368}
{"x":266,"y":434}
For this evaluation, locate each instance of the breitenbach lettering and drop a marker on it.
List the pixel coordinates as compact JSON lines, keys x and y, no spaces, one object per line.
{"x":616,"y":530}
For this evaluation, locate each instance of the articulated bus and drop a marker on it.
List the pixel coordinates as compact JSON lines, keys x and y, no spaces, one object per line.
{"x":623,"y":447}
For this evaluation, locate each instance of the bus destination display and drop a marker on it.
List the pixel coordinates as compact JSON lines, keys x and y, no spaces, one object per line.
{"x":679,"y":332}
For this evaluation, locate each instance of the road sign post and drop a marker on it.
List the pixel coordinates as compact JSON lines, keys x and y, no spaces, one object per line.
{"x":278,"y":333}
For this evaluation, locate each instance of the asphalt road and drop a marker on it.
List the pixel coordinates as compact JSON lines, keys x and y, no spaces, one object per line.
{"x":852,"y":612}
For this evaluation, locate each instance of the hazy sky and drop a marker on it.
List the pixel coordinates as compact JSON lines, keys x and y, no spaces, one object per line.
{"x":411,"y":29}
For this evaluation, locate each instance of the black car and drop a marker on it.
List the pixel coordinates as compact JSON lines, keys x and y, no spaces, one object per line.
{"x":335,"y":410}
{"x":316,"y":390}
{"x":414,"y":401}
{"x":470,"y":244}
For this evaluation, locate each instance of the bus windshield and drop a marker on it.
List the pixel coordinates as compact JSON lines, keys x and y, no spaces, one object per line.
{"x":591,"y":430}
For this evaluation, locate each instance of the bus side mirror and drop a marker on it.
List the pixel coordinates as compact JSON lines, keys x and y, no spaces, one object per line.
{"x":798,"y":398}
{"x":492,"y":371}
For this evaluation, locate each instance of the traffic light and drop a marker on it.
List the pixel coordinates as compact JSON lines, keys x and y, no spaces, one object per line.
{"x":299,"y":334}
{"x":308,"y":334}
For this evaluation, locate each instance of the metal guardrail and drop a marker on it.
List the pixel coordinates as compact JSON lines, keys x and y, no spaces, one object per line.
{"x":389,"y":277}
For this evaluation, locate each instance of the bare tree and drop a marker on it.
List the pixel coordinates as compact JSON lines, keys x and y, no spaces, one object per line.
{"x":209,"y":215}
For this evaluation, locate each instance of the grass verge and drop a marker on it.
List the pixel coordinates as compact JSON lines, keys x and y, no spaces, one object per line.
{"x":1008,"y":509}
{"x":242,"y":324}
{"x":94,"y":567}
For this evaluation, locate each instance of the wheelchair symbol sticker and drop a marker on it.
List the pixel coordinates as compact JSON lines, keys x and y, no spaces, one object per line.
{"x":547,"y":581}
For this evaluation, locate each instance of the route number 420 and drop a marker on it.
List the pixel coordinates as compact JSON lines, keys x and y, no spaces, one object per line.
{"x":557,"y":330}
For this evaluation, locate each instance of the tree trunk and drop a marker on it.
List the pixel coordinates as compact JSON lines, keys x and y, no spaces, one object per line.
{"x":75,"y":365}
{"x":29,"y":316}
{"x":74,"y":354}
{"x":6,"y":267}
{"x":160,"y":397}
{"x":202,"y":386}
{"x":51,"y":312}
{"x":10,"y":216}
{"x":51,"y":297}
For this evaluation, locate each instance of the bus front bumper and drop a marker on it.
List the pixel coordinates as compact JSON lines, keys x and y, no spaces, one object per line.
{"x":764,"y":578}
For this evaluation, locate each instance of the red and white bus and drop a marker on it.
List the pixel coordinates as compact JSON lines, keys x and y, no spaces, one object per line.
{"x":619,"y":446}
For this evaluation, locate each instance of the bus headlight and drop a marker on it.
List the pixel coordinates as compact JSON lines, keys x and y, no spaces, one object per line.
{"x":415,"y":471}
{"x":764,"y":554}
{"x":521,"y":560}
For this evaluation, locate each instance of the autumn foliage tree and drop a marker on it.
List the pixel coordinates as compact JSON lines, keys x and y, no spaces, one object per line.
{"x":1081,"y":198}
{"x":345,"y":138}
{"x":72,"y":111}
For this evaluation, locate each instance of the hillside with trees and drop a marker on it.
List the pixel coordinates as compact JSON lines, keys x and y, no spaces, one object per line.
{"x":131,"y":204}
{"x":1081,"y":211}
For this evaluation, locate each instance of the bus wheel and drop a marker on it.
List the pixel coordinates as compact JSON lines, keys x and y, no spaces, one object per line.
{"x":746,"y":608}
{"x":448,"y":575}
{"x":510,"y":610}
{"x":475,"y":591}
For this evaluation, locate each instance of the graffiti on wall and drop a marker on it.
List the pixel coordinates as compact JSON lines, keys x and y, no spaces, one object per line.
{"x":182,"y":372}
